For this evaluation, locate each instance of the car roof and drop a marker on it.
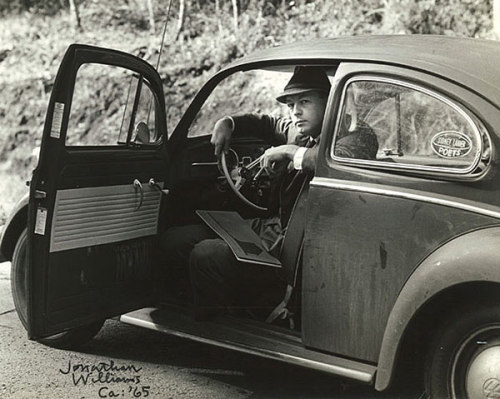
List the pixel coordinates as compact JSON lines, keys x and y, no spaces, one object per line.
{"x":472,"y":63}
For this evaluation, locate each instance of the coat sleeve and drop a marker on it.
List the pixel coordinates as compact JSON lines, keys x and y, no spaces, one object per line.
{"x":274,"y":130}
{"x":309,"y":160}
{"x":360,"y":144}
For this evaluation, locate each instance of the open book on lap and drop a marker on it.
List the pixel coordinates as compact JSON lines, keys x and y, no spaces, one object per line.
{"x":237,"y":233}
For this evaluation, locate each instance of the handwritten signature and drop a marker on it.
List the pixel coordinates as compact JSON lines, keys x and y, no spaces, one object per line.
{"x":102,"y":373}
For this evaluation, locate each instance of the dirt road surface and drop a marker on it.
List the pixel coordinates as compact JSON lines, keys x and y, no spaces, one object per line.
{"x":138,"y":363}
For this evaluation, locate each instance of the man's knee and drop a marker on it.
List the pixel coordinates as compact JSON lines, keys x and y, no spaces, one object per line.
{"x":210,"y":251}
{"x":211,"y":260}
{"x":179,"y":240}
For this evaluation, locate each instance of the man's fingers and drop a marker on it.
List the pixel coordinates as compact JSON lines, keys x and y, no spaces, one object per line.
{"x":219,"y":146}
{"x":221,"y":136}
{"x":264,"y":160}
{"x":217,"y":149}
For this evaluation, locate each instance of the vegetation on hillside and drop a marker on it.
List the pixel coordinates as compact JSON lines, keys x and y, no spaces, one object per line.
{"x":199,"y":40}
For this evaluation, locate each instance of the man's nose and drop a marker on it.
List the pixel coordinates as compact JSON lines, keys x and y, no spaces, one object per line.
{"x":297,"y":110}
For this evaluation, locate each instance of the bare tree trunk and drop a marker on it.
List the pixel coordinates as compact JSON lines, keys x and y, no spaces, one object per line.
{"x":496,"y":18}
{"x":151,"y":12}
{"x":26,"y":5}
{"x":217,"y":15}
{"x":260,"y":15}
{"x":75,"y":16}
{"x":235,"y":14}
{"x":182,"y":16}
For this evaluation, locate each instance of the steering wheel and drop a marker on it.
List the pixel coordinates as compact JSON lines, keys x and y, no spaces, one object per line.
{"x":244,"y":179}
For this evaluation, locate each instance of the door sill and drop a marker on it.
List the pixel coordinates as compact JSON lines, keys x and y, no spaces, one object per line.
{"x":255,"y":338}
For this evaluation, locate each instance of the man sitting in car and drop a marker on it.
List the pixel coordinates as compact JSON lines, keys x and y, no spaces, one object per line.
{"x":218,"y":280}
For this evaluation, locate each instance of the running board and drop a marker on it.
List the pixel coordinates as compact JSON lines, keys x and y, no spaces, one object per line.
{"x":269,"y":342}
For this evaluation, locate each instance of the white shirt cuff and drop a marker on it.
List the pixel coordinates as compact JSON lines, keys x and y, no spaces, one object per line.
{"x":298,"y":157}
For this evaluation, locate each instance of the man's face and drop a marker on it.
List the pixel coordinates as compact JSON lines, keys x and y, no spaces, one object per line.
{"x":307,"y":111}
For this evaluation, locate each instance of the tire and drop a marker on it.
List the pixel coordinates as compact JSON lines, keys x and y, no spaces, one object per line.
{"x":19,"y":286}
{"x":464,"y":361}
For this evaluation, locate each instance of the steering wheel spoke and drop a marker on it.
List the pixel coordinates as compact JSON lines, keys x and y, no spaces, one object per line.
{"x":254,"y":163}
{"x":237,"y":176}
{"x":259,"y":172}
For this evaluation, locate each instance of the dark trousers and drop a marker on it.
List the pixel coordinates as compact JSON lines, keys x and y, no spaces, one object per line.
{"x":218,"y":280}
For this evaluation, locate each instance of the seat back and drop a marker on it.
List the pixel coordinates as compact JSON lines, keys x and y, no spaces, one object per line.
{"x":291,"y":248}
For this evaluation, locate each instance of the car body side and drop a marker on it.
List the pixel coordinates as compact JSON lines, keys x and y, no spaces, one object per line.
{"x":448,"y":202}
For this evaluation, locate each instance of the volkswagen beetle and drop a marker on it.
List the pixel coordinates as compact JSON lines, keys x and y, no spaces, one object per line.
{"x":398,"y":273}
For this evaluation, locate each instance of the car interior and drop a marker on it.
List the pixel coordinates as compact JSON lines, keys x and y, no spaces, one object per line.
{"x":197,"y":181}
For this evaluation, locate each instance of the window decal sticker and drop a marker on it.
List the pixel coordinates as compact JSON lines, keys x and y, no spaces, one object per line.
{"x":55,"y":130}
{"x":451,"y":144}
{"x":41,"y":221}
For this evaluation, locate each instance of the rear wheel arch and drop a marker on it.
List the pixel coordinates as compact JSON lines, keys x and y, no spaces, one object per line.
{"x":464,"y":263}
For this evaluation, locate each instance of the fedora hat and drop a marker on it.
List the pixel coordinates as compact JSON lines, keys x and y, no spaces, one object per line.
{"x":304,"y":79}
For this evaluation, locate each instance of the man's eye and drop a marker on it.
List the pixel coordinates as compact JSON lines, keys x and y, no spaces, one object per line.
{"x":290,"y":106}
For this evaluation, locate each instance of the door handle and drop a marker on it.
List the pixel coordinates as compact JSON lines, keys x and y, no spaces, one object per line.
{"x":138,"y":186}
{"x":155,"y":185}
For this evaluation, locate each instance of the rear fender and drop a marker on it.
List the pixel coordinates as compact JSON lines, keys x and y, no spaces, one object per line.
{"x":472,"y":257}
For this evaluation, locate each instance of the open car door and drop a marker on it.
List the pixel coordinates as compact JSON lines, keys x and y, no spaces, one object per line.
{"x":95,"y":194}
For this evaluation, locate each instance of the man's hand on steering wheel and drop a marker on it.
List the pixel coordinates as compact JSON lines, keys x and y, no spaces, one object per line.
{"x":273,"y":162}
{"x":221,"y":135}
{"x":275,"y":159}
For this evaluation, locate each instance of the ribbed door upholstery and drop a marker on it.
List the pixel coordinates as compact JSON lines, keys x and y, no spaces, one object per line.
{"x":101,"y":215}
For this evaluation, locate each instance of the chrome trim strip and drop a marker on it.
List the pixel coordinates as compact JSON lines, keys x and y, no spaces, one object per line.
{"x":437,"y":199}
{"x":366,"y":377}
{"x":204,"y":163}
{"x":406,"y":166}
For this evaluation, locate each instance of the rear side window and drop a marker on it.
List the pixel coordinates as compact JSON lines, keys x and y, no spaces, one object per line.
{"x":415,"y":128}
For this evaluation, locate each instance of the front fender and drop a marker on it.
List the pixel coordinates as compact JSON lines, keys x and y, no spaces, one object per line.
{"x":13,"y":228}
{"x":472,"y":257}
